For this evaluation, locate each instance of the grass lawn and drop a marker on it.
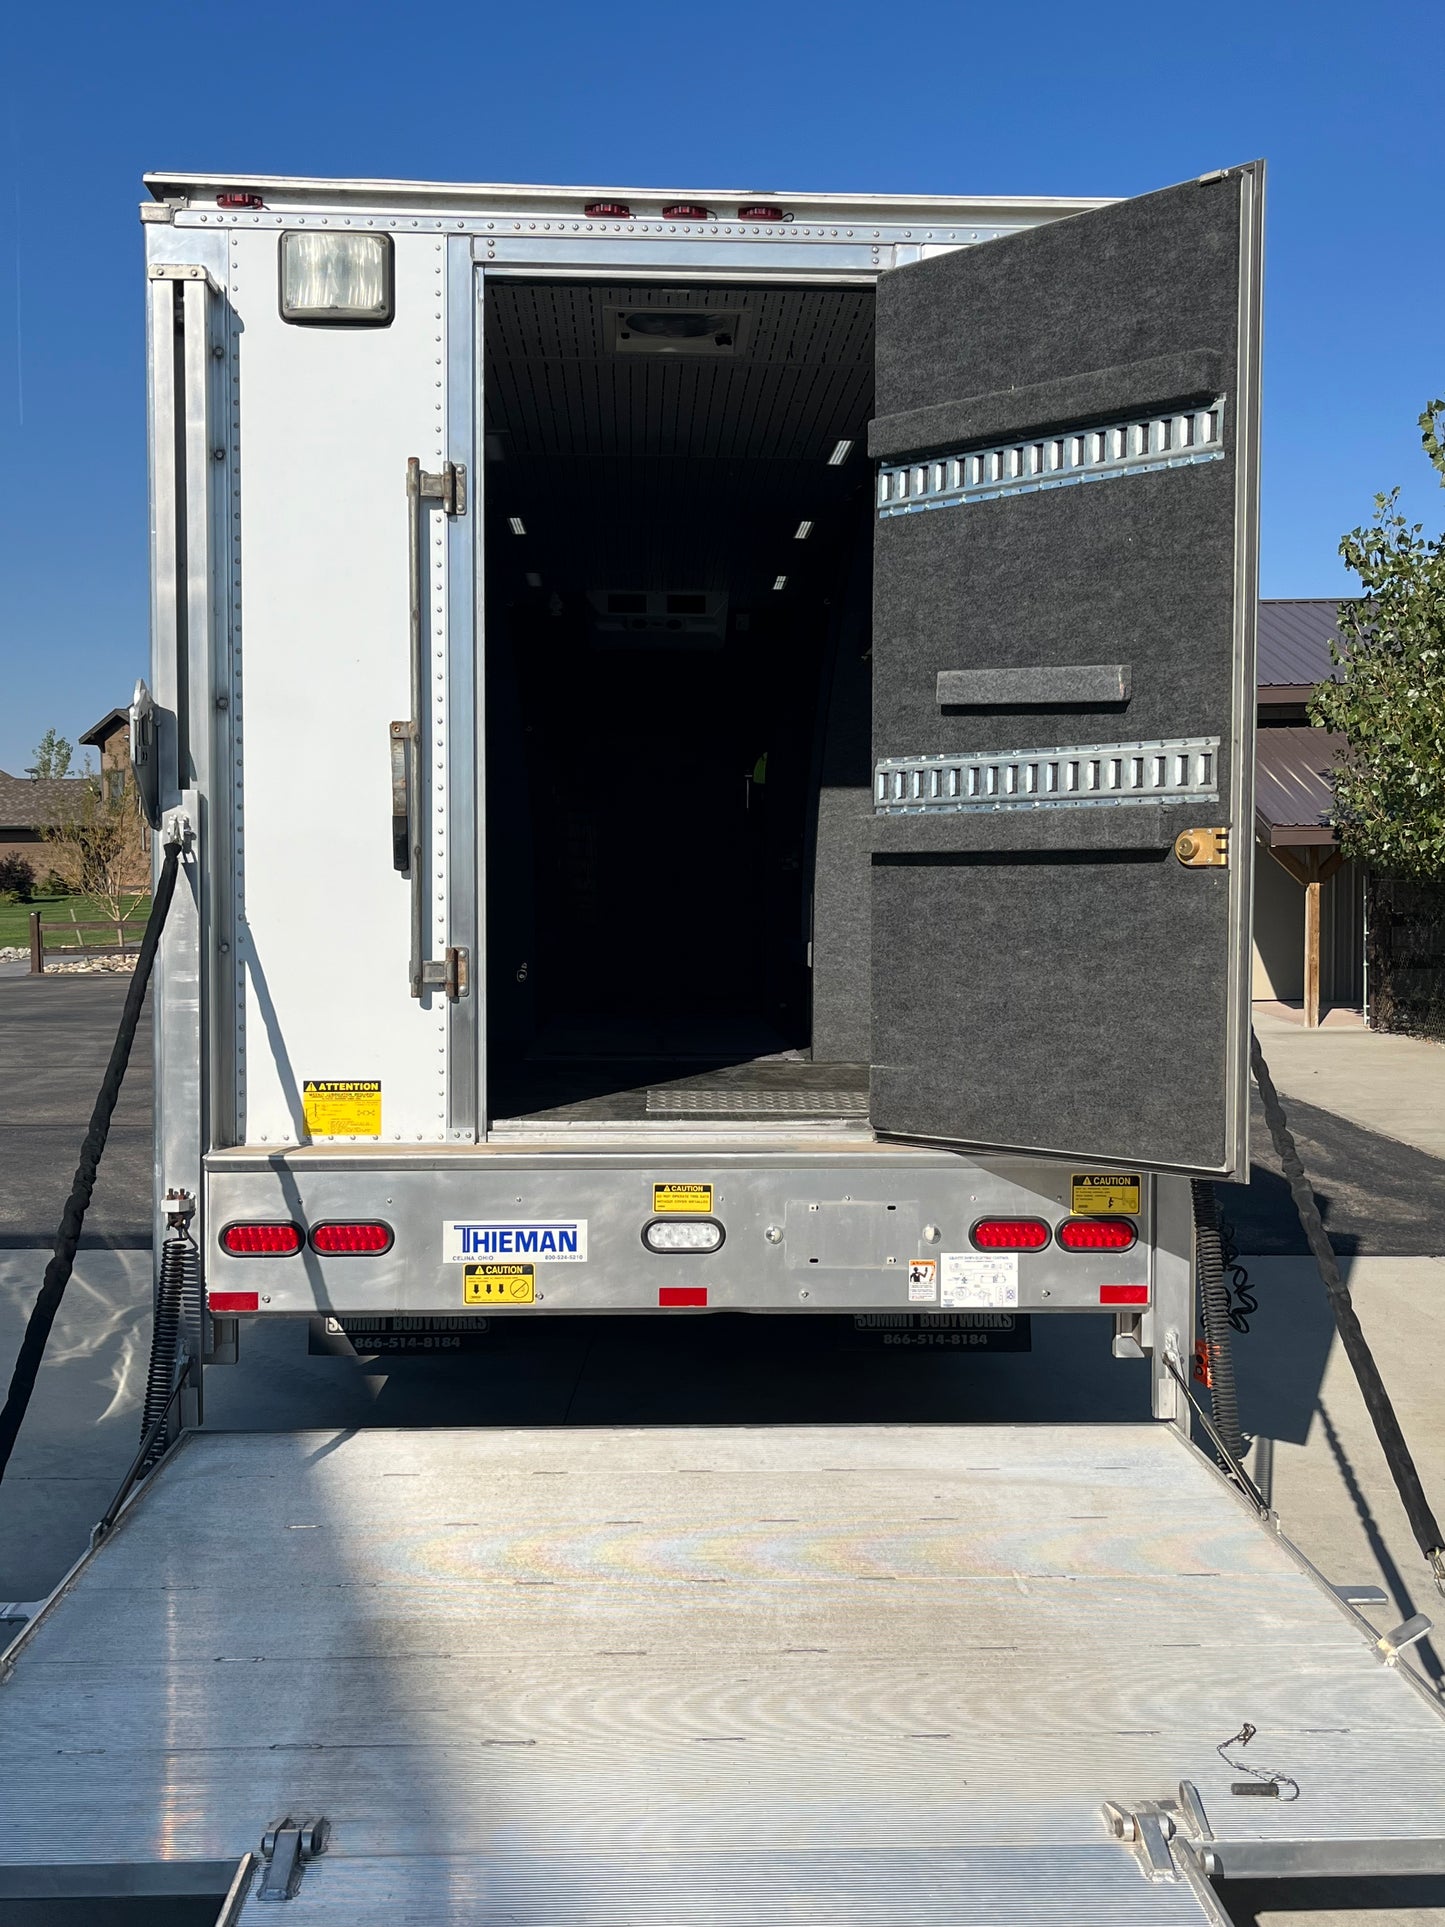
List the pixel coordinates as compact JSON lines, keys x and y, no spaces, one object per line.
{"x":57,"y":912}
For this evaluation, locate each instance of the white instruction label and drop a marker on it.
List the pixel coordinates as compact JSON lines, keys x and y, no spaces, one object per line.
{"x":978,"y":1280}
{"x":923,"y":1281}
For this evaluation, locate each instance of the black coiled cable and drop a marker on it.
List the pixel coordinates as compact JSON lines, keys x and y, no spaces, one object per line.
{"x":1214,"y":1298}
{"x":178,"y":1309}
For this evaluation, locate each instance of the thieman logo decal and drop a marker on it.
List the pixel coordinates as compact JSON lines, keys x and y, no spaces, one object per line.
{"x":555,"y":1240}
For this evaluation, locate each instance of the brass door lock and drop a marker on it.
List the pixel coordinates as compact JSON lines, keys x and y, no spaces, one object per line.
{"x":1203,"y":849}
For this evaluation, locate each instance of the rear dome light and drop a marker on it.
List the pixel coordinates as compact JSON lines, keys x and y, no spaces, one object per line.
{"x":351,"y":1239}
{"x":261,"y":1240}
{"x":1097,"y":1234}
{"x":1010,"y":1234}
{"x":761,"y":211}
{"x":682,"y":1234}
{"x":607,"y":211}
{"x":685,"y":211}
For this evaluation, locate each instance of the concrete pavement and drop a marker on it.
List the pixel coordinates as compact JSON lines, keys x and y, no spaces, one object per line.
{"x":1394,"y":1086}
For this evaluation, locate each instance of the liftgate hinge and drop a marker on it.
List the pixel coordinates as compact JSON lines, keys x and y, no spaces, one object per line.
{"x":449,"y":487}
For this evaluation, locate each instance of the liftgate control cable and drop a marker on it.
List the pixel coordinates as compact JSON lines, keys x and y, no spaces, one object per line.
{"x":67,"y":1238}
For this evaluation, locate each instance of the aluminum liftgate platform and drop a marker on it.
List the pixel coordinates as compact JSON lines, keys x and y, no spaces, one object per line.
{"x":833,"y":1675}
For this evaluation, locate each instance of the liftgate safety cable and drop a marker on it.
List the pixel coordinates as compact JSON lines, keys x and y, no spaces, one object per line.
{"x":1423,"y":1523}
{"x":67,"y":1238}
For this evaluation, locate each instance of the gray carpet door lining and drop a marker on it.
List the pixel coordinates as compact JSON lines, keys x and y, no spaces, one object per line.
{"x":1049,"y":975}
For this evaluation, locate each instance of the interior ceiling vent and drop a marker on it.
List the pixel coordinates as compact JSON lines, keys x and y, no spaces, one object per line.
{"x":676,"y":331}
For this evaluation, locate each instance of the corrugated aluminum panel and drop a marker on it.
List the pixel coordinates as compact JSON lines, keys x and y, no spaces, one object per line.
{"x":854,"y":1666}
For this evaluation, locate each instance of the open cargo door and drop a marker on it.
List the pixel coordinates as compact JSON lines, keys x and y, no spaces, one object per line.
{"x":1065,"y":560}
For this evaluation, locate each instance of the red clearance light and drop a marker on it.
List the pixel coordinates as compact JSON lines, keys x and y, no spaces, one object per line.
{"x":1010,"y":1234}
{"x":233,"y":1301}
{"x":1123,"y":1294}
{"x":1097,"y":1234}
{"x":261,"y":1240}
{"x":761,"y":211}
{"x":351,"y":1240}
{"x":685,"y":211}
{"x":607,"y":211}
{"x":238,"y":199}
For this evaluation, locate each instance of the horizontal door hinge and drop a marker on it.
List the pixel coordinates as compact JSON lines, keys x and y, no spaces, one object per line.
{"x":451,"y":973}
{"x":449,"y":487}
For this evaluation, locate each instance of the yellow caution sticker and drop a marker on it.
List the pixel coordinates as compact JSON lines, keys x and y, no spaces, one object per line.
{"x":1105,"y":1190}
{"x":681,"y":1197}
{"x":499,"y":1284}
{"x":342,"y":1106}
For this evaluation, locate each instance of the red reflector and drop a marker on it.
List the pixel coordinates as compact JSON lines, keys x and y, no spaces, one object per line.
{"x":1010,"y":1234}
{"x":685,"y":211}
{"x":1123,"y":1294}
{"x":238,"y":199}
{"x":261,"y":1240}
{"x":351,"y":1239}
{"x":682,"y":1295}
{"x":760,"y":211}
{"x":1097,"y":1234}
{"x":232,"y":1300}
{"x":607,"y":211}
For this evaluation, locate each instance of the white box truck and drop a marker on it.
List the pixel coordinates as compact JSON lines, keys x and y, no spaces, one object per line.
{"x":709,"y":737}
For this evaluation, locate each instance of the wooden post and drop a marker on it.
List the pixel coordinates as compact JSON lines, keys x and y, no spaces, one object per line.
{"x":37,"y":945}
{"x":1312,"y":949}
{"x":1312,"y":865}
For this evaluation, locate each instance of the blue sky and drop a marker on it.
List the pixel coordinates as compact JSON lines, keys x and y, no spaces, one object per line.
{"x":938,"y":98}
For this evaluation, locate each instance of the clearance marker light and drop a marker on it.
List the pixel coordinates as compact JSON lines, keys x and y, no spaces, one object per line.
{"x":685,"y":211}
{"x":761,"y":211}
{"x":351,"y":1240}
{"x":1010,"y":1234}
{"x":607,"y":211}
{"x":1097,"y":1234}
{"x":261,"y":1240}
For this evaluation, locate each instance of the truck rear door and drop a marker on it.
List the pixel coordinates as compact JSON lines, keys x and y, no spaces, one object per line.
{"x":1065,"y":562}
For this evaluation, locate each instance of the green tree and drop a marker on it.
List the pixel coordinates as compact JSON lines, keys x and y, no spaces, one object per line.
{"x":53,"y":756}
{"x":1389,"y":698}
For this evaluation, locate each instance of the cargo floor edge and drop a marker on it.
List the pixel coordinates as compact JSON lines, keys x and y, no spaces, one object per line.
{"x":821,"y":1674}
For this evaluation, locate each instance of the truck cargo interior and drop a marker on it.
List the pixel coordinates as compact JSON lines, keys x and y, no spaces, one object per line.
{"x":677,"y":602}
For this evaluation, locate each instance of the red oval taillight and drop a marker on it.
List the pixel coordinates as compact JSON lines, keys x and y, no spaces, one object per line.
{"x":1097,"y":1234}
{"x":261,"y":1240}
{"x":1010,"y":1234}
{"x":351,"y":1239}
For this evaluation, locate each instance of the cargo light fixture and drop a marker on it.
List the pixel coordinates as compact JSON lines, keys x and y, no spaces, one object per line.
{"x":1098,"y":1234}
{"x":802,"y":531}
{"x":841,"y":451}
{"x":516,"y":525}
{"x":1010,"y":1234}
{"x":339,"y":279}
{"x":781,"y":583}
{"x":352,"y":1238}
{"x":262,"y":1240}
{"x":695,"y":1235}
